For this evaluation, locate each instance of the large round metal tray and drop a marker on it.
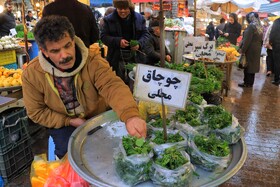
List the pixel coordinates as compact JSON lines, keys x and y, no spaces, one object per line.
{"x":91,"y":147}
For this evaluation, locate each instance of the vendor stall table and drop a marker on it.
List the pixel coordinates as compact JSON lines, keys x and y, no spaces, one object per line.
{"x":223,"y":65}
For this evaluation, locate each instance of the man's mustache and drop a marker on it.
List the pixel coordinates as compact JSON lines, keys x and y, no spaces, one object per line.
{"x":66,"y":60}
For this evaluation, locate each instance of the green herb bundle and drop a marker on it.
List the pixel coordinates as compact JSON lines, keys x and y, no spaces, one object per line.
{"x":171,"y":138}
{"x":212,"y":145}
{"x":133,"y":145}
{"x":217,"y":117}
{"x":195,"y":98}
{"x":189,"y":115}
{"x":158,"y":123}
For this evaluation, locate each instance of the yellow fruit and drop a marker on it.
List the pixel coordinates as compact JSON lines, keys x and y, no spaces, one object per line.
{"x":15,"y":82}
{"x":7,"y":83}
{"x":16,"y":75}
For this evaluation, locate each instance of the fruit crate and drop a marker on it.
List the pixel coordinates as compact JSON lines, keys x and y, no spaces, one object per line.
{"x":7,"y":57}
{"x":13,"y":128}
{"x":16,"y":160}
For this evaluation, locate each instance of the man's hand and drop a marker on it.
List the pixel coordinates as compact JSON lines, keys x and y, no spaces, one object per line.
{"x":135,"y":48}
{"x":76,"y":122}
{"x":168,"y":58}
{"x":124,"y":43}
{"x":136,"y":126}
{"x":226,"y":34}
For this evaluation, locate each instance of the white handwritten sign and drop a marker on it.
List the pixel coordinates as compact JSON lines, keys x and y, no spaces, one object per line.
{"x":204,"y":50}
{"x":153,"y":83}
{"x":220,"y":56}
{"x":190,"y":41}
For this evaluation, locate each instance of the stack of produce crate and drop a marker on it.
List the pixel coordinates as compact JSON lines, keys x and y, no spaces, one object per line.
{"x":15,"y":150}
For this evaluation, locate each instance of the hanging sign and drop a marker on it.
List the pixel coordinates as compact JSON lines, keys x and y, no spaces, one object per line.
{"x":153,"y":83}
{"x":204,"y":50}
{"x":220,"y":56}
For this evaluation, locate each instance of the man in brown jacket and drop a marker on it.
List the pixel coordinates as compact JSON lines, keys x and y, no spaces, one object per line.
{"x":66,"y":85}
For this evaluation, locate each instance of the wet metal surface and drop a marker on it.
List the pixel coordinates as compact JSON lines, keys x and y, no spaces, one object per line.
{"x":258,"y":111}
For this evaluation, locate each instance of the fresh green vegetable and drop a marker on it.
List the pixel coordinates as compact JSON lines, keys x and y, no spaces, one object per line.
{"x":171,"y":159}
{"x":133,"y":43}
{"x":189,"y":115}
{"x":130,"y":66}
{"x":133,"y":146}
{"x":212,"y":145}
{"x":158,"y":123}
{"x":171,"y":138}
{"x":195,"y":98}
{"x":19,"y":27}
{"x":217,"y":117}
{"x":215,"y":72}
{"x":20,"y":34}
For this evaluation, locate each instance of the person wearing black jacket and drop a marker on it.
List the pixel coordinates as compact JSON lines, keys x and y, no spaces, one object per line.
{"x":232,"y":29}
{"x":210,"y":30}
{"x":119,"y":29}
{"x":152,"y":46}
{"x":7,"y":19}
{"x":251,"y":46}
{"x":79,"y":14}
{"x":274,"y":40}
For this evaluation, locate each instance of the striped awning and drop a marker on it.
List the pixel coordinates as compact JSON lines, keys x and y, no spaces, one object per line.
{"x":271,"y":7}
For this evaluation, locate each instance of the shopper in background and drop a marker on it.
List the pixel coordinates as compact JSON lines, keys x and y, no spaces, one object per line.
{"x":210,"y":31}
{"x":269,"y":56}
{"x":232,"y":29}
{"x":109,"y":10}
{"x":251,"y":46}
{"x":66,"y":85}
{"x":220,"y":27}
{"x":7,"y":19}
{"x":29,"y":17}
{"x":79,"y":14}
{"x":152,"y":46}
{"x":119,"y":29}
{"x":274,"y":40}
{"x":148,"y":15}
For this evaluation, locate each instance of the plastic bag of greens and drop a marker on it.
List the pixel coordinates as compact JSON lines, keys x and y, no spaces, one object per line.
{"x":231,"y":134}
{"x":174,"y":138}
{"x":172,"y":168}
{"x":157,"y":124}
{"x":133,"y":159}
{"x":209,"y":153}
{"x":191,"y":131}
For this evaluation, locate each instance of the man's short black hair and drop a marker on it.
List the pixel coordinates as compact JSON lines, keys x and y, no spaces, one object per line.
{"x":52,"y":28}
{"x":222,"y":20}
{"x":29,"y":11}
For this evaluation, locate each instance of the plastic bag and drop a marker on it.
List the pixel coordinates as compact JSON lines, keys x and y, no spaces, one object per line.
{"x":207,"y":161}
{"x":132,"y":169}
{"x":149,"y":110}
{"x":242,"y":62}
{"x":191,"y":131}
{"x":263,"y":51}
{"x":65,"y":176}
{"x":231,"y":134}
{"x":181,"y":176}
{"x":41,"y":169}
{"x":159,"y":148}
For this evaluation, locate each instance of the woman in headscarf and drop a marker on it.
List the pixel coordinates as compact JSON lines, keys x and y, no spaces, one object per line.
{"x":274,"y":40}
{"x":232,"y":29}
{"x":251,"y":46}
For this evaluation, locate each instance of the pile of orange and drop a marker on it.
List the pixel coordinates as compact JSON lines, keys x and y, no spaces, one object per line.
{"x":10,"y":77}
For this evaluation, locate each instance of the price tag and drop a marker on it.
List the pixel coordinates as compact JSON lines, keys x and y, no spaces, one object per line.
{"x":153,"y":83}
{"x":205,"y":50}
{"x":220,"y":56}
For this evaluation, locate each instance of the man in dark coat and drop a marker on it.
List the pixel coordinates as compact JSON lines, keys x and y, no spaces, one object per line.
{"x":7,"y":19}
{"x":274,"y":40}
{"x":210,"y":30}
{"x":119,"y":28}
{"x":152,"y":46}
{"x":80,"y":15}
{"x":232,"y":29}
{"x":251,"y":46}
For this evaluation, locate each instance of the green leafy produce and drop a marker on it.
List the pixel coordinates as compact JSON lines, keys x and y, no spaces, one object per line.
{"x":171,"y":138}
{"x":20,"y":34}
{"x":197,"y":70}
{"x":171,"y":159}
{"x":133,"y":43}
{"x":215,"y":72}
{"x":195,"y":98}
{"x":189,"y":115}
{"x":212,"y":145}
{"x":130,"y":66}
{"x":19,"y":27}
{"x":132,"y":145}
{"x":217,"y":117}
{"x":158,"y":123}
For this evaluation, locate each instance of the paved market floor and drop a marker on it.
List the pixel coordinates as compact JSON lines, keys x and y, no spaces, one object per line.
{"x":258,"y":111}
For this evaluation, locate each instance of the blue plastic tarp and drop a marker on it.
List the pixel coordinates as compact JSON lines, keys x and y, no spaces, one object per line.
{"x":101,"y":3}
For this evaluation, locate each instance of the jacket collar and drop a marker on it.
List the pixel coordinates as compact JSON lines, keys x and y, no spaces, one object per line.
{"x":48,"y":67}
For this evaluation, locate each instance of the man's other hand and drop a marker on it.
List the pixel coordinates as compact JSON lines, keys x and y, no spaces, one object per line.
{"x":76,"y":122}
{"x":136,"y":126}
